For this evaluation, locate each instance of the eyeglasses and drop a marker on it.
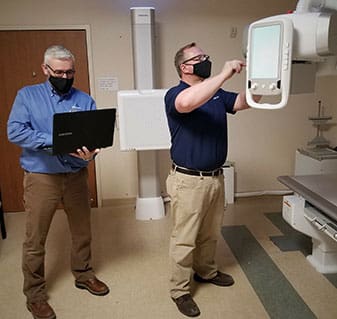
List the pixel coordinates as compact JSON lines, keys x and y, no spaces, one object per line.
{"x":197,"y":58}
{"x":60,"y":73}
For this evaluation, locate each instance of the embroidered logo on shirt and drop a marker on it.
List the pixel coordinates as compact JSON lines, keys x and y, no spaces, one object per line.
{"x":75,"y":108}
{"x":216,"y":97}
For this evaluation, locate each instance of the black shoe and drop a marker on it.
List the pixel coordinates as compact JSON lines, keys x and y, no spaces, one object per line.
{"x":220,"y":279}
{"x":187,"y":306}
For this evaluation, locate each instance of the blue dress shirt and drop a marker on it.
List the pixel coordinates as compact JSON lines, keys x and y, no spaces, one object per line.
{"x":30,"y":126}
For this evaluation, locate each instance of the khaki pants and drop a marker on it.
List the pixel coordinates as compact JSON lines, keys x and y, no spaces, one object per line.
{"x":42,"y":194}
{"x":197,"y":208}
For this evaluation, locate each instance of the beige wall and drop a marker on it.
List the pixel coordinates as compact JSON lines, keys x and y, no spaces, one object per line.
{"x":261,"y":143}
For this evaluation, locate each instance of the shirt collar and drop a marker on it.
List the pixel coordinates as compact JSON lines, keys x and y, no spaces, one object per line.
{"x":183,"y":82}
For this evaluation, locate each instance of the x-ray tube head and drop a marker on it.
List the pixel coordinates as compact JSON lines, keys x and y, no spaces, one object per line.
{"x":269,"y":60}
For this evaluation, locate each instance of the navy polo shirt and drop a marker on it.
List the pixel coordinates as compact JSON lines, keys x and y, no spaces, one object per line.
{"x":199,"y":138}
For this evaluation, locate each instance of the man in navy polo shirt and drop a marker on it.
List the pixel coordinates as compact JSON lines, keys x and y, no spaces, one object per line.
{"x":197,"y":117}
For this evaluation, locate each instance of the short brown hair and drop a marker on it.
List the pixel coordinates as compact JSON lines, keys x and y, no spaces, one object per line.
{"x":180,"y":56}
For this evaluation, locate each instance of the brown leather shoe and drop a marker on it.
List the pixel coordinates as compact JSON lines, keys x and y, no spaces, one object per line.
{"x":94,"y":286}
{"x":41,"y":310}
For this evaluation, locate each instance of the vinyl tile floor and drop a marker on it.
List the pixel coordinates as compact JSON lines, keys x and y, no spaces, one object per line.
{"x":131,"y":256}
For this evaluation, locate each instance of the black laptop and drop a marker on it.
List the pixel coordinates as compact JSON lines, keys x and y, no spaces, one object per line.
{"x":93,"y":129}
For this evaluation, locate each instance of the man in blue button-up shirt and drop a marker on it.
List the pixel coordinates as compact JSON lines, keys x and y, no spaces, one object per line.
{"x":51,"y":179}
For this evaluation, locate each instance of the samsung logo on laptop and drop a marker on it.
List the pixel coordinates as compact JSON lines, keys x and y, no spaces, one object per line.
{"x":65,"y":134}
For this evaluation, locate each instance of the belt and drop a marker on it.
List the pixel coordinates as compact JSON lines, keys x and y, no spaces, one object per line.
{"x":187,"y":171}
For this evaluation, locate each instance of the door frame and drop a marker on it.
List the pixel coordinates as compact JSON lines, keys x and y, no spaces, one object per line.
{"x":87,"y":29}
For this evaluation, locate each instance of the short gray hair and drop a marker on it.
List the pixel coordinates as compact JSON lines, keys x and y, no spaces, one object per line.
{"x":58,"y":52}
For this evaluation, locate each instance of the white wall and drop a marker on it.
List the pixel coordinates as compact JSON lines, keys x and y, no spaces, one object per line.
{"x":261,"y":143}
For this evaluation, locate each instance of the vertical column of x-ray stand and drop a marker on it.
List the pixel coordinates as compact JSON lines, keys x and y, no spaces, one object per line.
{"x":149,"y":204}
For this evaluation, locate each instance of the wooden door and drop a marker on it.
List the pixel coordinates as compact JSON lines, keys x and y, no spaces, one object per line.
{"x":21,"y":55}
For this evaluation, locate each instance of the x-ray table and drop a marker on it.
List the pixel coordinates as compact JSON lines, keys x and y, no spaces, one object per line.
{"x":312,"y":210}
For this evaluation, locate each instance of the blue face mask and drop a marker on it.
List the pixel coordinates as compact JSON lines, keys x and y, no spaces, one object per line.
{"x":203,"y":69}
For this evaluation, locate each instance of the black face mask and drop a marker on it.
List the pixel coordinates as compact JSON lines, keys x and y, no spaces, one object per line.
{"x":203,"y":69}
{"x":61,"y":85}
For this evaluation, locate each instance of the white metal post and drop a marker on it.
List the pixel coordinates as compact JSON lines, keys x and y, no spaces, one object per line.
{"x":149,"y":204}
